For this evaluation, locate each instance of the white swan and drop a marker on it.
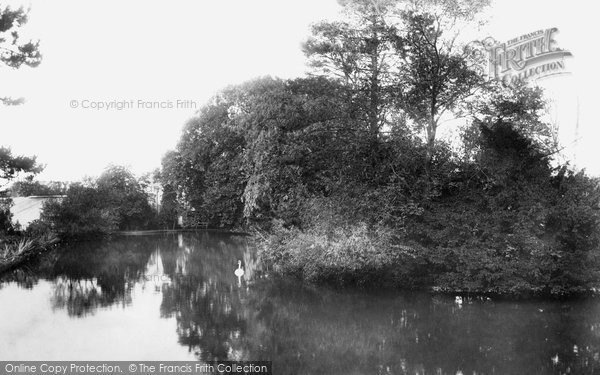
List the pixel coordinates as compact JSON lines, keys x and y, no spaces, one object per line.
{"x":239,"y":272}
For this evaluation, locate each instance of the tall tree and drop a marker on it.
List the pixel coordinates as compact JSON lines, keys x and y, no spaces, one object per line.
{"x":206,"y":168}
{"x":257,"y":146}
{"x":437,"y":74}
{"x":357,"y":52}
{"x":399,"y":56}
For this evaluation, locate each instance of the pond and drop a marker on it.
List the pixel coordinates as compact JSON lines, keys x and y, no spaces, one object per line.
{"x":176,"y":297}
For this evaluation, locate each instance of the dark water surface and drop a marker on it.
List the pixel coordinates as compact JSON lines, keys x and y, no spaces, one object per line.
{"x":175,"y":297}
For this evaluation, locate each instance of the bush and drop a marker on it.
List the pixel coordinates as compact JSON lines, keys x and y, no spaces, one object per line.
{"x":37,"y":228}
{"x":116,"y":201}
{"x":83,"y":212}
{"x":512,"y":223}
{"x":352,"y":255}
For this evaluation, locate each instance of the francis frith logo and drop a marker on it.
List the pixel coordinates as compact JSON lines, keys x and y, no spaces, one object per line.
{"x":528,"y":57}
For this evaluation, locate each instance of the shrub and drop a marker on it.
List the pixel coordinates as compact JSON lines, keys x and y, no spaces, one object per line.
{"x":116,"y":201}
{"x":83,"y":212}
{"x":352,"y":255}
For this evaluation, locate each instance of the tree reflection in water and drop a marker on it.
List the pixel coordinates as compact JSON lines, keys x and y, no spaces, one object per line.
{"x":99,"y":274}
{"x":89,"y":275}
{"x":306,"y":330}
{"x":205,"y":298}
{"x":310,"y":330}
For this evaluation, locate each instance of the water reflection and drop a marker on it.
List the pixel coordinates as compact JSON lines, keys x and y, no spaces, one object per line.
{"x":186,"y":285}
{"x":204,"y":298}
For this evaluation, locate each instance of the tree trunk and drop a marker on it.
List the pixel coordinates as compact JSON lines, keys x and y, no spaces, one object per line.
{"x":431,"y":130}
{"x":374,"y":94}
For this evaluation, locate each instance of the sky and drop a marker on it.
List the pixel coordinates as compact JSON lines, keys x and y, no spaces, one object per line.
{"x":143,"y":55}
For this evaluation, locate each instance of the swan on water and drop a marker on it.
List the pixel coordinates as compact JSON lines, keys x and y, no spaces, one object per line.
{"x":239,"y":272}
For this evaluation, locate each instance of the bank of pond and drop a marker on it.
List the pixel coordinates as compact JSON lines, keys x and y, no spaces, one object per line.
{"x":352,"y":260}
{"x":16,"y":251}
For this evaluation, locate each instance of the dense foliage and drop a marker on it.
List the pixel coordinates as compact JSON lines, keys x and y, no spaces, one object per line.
{"x":496,"y":215}
{"x":345,"y":181}
{"x":113,"y":202}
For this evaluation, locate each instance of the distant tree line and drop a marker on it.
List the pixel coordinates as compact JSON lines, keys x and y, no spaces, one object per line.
{"x":27,"y":188}
{"x":115,"y":201}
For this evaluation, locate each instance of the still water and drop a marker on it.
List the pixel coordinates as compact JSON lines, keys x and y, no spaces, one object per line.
{"x":176,"y":297}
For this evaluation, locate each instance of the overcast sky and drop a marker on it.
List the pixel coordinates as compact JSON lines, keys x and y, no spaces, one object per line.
{"x":187,"y":50}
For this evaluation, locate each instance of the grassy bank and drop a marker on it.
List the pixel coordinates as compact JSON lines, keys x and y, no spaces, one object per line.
{"x":350,"y":255}
{"x":359,"y":256}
